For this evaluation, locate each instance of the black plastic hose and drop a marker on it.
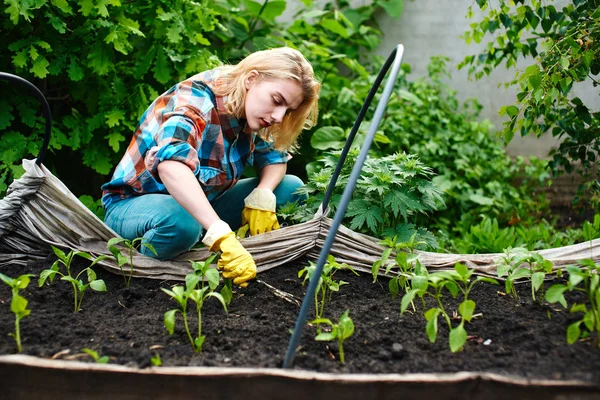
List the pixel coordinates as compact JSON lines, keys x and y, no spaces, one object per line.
{"x":394,"y":60}
{"x":45,"y":109}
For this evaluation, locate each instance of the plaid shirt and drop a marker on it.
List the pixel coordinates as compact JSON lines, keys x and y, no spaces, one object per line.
{"x":189,"y":124}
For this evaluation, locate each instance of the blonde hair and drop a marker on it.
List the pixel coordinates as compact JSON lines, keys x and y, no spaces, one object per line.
{"x":278,"y":63}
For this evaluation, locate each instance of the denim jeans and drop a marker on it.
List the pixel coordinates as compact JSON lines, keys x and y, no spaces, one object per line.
{"x":170,"y":229}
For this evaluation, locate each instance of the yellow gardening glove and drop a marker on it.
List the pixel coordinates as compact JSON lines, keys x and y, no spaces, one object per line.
{"x":259,"y":212}
{"x":235,"y":262}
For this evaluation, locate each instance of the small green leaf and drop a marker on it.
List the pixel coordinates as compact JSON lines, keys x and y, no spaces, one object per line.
{"x":466,"y":310}
{"x":18,"y":304}
{"x":573,"y":332}
{"x":325,"y":337}
{"x":432,"y":324}
{"x":512,"y":111}
{"x":537,"y":279}
{"x":169,"y":320}
{"x":458,"y":338}
{"x":212,"y":275}
{"x":98,"y":285}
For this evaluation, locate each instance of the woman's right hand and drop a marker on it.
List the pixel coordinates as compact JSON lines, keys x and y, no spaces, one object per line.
{"x":235,"y":262}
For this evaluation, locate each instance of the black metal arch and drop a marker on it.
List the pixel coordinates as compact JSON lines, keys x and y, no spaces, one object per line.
{"x":45,"y":109}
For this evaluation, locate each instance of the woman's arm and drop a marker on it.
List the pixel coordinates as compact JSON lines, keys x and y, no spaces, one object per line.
{"x":271,"y":176}
{"x":181,"y":183}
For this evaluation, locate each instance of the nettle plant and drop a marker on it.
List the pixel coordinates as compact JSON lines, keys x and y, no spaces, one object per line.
{"x":434,"y":285}
{"x":18,"y":303}
{"x":200,"y":285}
{"x":510,"y":267}
{"x":390,"y":193}
{"x":339,"y":331}
{"x":77,"y":282}
{"x":587,"y":281}
{"x":130,"y":248}
{"x":327,"y":284}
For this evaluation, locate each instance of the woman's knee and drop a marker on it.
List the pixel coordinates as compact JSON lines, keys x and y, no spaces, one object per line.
{"x":286,"y":190}
{"x":171,"y":233}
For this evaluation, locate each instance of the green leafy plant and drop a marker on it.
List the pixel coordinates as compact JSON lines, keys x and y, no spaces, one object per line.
{"x":199,"y":286}
{"x":587,"y":281}
{"x":327,"y":285}
{"x":79,"y":287}
{"x":130,"y":247}
{"x":510,"y":265}
{"x":96,"y":356}
{"x":561,"y":49}
{"x":18,"y":303}
{"x":340,"y":331}
{"x":433,"y":285}
{"x":405,"y":263}
{"x":390,"y":193}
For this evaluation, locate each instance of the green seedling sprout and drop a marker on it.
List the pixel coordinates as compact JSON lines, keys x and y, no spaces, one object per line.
{"x":130,"y":246}
{"x":79,"y":287}
{"x":156,"y":360}
{"x":456,"y":281}
{"x":327,"y":285}
{"x":18,"y":303}
{"x":96,"y":356}
{"x":199,"y":286}
{"x":537,"y":267}
{"x":587,"y":281}
{"x":406,"y":262}
{"x":340,"y":331}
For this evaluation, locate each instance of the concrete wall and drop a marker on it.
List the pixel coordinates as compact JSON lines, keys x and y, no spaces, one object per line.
{"x":433,"y":27}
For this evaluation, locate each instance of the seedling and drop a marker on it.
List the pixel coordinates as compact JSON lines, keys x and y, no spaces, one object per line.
{"x":340,"y":331}
{"x":327,"y":285}
{"x":199,"y":286}
{"x":406,"y":262}
{"x":456,"y":281}
{"x":156,"y":360}
{"x":94,"y":354}
{"x":510,"y":265}
{"x":587,"y":281}
{"x":130,"y":246}
{"x":79,"y":287}
{"x":18,"y":304}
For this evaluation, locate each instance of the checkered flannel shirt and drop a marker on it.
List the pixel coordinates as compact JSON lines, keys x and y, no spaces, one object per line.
{"x":188,"y":123}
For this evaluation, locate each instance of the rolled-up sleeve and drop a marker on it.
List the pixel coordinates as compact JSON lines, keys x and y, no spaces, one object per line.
{"x":265,"y":154}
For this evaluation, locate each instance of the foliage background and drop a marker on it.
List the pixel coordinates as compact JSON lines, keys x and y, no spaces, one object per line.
{"x":101,"y":62}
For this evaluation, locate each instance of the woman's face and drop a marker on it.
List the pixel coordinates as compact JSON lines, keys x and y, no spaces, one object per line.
{"x":267,"y":101}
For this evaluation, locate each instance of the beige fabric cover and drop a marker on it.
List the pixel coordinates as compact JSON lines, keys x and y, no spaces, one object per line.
{"x":39,"y":211}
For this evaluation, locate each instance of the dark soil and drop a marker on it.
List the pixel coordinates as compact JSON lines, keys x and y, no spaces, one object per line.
{"x":525,"y":339}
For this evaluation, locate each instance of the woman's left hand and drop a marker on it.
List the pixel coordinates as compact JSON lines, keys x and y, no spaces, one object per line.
{"x":259,"y":212}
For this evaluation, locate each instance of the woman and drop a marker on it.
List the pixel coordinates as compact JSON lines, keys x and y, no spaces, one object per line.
{"x":179,"y":180}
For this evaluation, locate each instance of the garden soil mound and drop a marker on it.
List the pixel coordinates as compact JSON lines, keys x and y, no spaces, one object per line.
{"x":517,"y":338}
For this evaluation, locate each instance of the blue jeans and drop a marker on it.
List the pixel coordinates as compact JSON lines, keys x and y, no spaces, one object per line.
{"x":170,"y":229}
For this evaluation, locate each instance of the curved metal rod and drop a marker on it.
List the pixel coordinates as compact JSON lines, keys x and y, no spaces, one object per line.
{"x":395,"y":60}
{"x":45,"y":109}
{"x":352,"y":135}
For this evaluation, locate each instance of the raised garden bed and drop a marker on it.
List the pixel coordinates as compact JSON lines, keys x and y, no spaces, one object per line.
{"x":512,"y":339}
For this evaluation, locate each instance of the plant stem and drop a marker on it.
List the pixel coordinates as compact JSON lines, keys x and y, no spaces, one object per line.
{"x":128,"y":283}
{"x":200,"y":322}
{"x":439,"y":301}
{"x":187,"y":330}
{"x":75,"y":296}
{"x":341,"y":349}
{"x":18,"y":335}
